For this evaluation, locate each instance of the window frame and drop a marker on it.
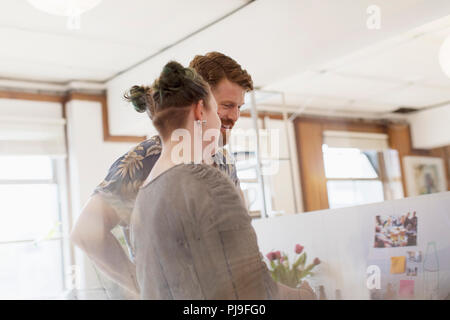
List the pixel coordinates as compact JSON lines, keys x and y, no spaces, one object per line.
{"x":380,"y":176}
{"x":58,"y":179}
{"x":309,"y":138}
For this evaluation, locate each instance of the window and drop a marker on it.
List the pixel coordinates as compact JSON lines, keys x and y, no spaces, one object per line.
{"x":31,"y":236}
{"x":353,"y":176}
{"x":247,"y":173}
{"x":268,"y":186}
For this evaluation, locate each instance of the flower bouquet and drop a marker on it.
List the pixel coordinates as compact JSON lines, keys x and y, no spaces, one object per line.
{"x":289,"y":274}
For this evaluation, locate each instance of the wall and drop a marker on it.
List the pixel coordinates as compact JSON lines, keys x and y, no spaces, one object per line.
{"x":444,"y":153}
{"x":343,"y":239}
{"x":89,"y":159}
{"x":400,"y":139}
{"x":309,"y":136}
{"x":430,"y":128}
{"x":270,"y":61}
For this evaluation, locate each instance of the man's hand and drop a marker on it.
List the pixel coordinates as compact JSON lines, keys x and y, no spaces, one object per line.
{"x":92,"y":234}
{"x":306,"y":292}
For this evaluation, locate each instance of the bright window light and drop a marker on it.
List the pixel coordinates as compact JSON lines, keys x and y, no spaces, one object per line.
{"x":31,"y":243}
{"x":352,"y":193}
{"x":26,"y":167}
{"x":351,"y":177}
{"x":347,"y":163}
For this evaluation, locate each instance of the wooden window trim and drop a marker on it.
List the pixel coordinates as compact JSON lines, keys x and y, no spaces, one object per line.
{"x":309,"y":133}
{"x":262,"y":115}
{"x":107,"y":136}
{"x":17,"y":95}
{"x":399,"y":137}
{"x":65,"y":98}
{"x":355,"y":179}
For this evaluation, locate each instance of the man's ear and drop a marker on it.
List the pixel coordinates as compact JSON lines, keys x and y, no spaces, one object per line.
{"x":198,"y":110}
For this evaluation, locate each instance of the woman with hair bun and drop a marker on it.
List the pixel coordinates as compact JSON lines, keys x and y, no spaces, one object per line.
{"x":190,"y":230}
{"x":191,"y":235}
{"x":107,"y":212}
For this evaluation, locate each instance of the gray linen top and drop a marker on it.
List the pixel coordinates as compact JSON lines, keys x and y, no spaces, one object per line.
{"x":193,"y":239}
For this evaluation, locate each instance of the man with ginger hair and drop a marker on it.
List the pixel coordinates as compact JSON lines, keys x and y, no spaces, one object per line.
{"x":112,"y":201}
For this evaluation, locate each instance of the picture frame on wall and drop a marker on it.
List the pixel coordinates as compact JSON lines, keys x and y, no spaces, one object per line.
{"x":424,"y":175}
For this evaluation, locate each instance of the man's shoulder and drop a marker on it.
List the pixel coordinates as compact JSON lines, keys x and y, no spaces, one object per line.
{"x":150,"y":146}
{"x":128,"y":172}
{"x":223,"y":156}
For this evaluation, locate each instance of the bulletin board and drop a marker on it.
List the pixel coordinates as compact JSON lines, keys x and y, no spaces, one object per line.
{"x":398,"y":249}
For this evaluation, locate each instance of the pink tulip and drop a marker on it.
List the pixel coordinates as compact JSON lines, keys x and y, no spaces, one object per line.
{"x":299,"y":248}
{"x":277,"y":254}
{"x":271,"y":256}
{"x":317,"y":261}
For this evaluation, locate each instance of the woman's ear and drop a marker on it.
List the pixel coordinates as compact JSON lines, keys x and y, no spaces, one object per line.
{"x":198,"y":110}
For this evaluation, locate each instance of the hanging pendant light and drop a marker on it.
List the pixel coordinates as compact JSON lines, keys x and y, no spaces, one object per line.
{"x":72,"y":9}
{"x":444,"y":56}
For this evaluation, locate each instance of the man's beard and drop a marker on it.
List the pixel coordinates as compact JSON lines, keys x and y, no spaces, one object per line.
{"x":223,"y":139}
{"x":225,"y":133}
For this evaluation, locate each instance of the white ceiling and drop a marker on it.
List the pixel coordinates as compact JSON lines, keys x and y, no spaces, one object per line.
{"x":114,"y":35}
{"x":403,"y":71}
{"x":319,"y":53}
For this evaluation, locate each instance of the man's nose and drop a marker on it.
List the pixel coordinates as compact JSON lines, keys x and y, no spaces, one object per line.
{"x":234,"y":114}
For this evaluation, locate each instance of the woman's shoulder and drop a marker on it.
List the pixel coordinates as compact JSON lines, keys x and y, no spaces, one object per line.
{"x":187,"y":177}
{"x":202,"y":175}
{"x":201,"y":192}
{"x":212,"y":189}
{"x":195,"y":181}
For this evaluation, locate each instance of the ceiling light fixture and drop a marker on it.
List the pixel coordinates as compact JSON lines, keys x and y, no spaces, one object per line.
{"x":444,"y":56}
{"x":72,"y":9}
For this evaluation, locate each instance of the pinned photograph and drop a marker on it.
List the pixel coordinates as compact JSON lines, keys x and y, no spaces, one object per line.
{"x":411,"y":271}
{"x":406,"y":289}
{"x":396,"y":231}
{"x":398,"y":264}
{"x":414,"y":256}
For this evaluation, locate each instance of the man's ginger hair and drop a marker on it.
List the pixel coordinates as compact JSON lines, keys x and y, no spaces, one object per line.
{"x":215,"y":66}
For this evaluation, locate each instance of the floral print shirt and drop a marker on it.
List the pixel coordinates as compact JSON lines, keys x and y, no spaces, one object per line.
{"x":127,"y":174}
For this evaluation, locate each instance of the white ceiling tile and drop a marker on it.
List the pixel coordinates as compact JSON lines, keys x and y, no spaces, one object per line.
{"x":114,"y":35}
{"x":138,"y":22}
{"x":417,"y":96}
{"x":320,"y":102}
{"x":335,"y":85}
{"x":415,"y":60}
{"x":368,"y":106}
{"x":35,"y":71}
{"x":402,"y":71}
{"x":275,"y":40}
{"x":63,"y":51}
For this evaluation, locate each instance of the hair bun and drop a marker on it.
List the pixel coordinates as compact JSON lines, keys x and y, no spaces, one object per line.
{"x":138,"y":96}
{"x":172,"y":77}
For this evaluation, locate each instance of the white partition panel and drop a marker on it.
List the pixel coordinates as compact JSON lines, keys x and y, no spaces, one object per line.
{"x":343,"y":239}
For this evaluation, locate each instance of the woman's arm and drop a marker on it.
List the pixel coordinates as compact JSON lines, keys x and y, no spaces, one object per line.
{"x":283,"y":292}
{"x":92,"y":234}
{"x":241,"y":245}
{"x":305,"y":292}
